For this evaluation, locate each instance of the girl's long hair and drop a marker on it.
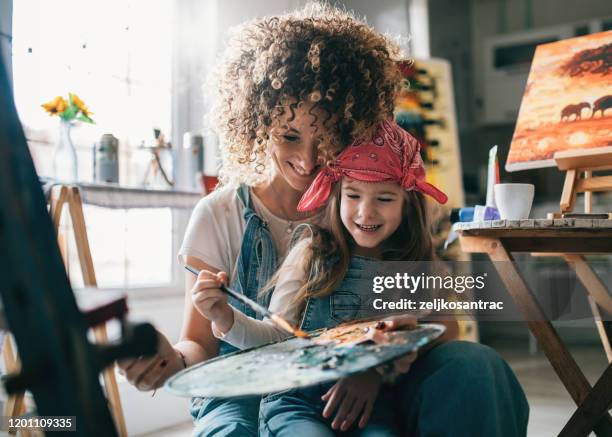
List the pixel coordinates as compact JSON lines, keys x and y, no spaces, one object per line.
{"x":329,"y":251}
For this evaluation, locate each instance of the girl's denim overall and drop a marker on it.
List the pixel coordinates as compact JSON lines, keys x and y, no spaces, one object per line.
{"x":456,"y":389}
{"x":257,"y":262}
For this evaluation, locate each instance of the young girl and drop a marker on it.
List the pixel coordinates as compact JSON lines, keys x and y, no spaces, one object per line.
{"x":375,"y":211}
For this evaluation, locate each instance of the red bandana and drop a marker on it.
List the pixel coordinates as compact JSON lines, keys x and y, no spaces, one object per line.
{"x":392,"y":155}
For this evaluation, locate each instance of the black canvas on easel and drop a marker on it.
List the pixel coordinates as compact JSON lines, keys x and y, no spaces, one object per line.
{"x":59,"y":365}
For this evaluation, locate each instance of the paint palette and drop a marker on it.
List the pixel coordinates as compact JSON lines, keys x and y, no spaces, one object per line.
{"x":328,"y":355}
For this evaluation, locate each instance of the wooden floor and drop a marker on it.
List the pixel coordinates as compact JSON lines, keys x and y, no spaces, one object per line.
{"x":550,"y":404}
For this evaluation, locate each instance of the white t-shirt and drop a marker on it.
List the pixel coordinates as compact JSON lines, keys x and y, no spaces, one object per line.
{"x":215,"y":230}
{"x":216,"y":227}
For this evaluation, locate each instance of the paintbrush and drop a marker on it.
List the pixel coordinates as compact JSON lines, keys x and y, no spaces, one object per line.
{"x":278,"y":320}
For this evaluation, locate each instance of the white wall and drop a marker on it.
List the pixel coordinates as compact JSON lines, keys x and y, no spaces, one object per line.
{"x":386,"y":16}
{"x":201,"y":29}
{"x":486,"y":21}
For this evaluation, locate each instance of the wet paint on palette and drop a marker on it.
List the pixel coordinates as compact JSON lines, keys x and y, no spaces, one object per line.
{"x":297,"y":362}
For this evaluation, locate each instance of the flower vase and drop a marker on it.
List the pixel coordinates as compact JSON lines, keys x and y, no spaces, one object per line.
{"x":65,"y":158}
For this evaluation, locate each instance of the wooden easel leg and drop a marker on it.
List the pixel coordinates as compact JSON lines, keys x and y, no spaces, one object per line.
{"x":562,"y":361}
{"x":89,"y":279}
{"x":110,"y":384}
{"x":24,"y":432}
{"x":75,"y":207}
{"x":15,"y":403}
{"x":59,"y":197}
{"x":568,"y":197}
{"x":588,"y":195}
{"x":604,"y":328}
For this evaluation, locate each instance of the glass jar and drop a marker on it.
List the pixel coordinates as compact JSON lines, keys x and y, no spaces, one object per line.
{"x":65,"y":158}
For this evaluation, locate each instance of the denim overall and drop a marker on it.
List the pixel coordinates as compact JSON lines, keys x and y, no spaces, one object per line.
{"x":298,"y":411}
{"x":456,"y":389}
{"x":256,"y":264}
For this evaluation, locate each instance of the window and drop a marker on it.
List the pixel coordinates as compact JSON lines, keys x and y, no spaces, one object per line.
{"x":113,"y":54}
{"x":116,"y":55}
{"x":130,"y":248}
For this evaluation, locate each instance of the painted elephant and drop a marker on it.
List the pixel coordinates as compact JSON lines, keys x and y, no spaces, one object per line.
{"x":575,"y":110}
{"x":602,"y":104}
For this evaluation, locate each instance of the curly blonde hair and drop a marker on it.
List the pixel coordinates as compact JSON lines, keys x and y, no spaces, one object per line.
{"x":318,"y":54}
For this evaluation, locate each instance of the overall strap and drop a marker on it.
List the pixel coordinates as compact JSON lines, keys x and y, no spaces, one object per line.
{"x":244,"y":195}
{"x":258,"y":259}
{"x":256,"y":262}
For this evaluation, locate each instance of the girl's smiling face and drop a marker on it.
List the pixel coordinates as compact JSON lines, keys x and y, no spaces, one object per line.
{"x":371,"y":212}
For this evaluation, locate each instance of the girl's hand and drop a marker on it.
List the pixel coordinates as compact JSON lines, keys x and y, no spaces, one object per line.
{"x":210,"y":301}
{"x":354,"y":396}
{"x":407,"y":321}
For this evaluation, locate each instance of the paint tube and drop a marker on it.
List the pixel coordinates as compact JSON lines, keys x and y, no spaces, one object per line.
{"x":484,"y":213}
{"x":492,"y":177}
{"x":476,"y":213}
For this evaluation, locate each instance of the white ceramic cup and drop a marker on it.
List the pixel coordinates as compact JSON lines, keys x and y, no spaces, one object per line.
{"x":514,"y":200}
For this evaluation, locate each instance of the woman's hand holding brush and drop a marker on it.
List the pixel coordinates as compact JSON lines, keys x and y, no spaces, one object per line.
{"x":211,"y":302}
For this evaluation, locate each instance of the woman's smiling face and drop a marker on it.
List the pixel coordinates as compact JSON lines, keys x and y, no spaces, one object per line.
{"x":371,"y":212}
{"x":295,"y":144}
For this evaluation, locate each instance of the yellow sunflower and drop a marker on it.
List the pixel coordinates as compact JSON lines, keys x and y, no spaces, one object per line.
{"x":56,"y":106}
{"x":79,"y":104}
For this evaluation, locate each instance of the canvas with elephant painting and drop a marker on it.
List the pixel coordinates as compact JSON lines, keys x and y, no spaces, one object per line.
{"x":567,"y":102}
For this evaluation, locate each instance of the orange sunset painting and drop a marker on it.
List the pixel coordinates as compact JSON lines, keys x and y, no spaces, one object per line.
{"x":567,"y":102}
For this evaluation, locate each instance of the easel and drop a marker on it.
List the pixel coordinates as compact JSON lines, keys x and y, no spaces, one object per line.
{"x":579,"y":166}
{"x":69,"y":196}
{"x":585,"y":162}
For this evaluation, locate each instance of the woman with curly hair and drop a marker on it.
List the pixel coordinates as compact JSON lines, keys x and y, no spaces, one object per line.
{"x":292,"y":91}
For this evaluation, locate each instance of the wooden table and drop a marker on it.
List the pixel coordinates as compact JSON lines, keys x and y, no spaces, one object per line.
{"x":571,"y":239}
